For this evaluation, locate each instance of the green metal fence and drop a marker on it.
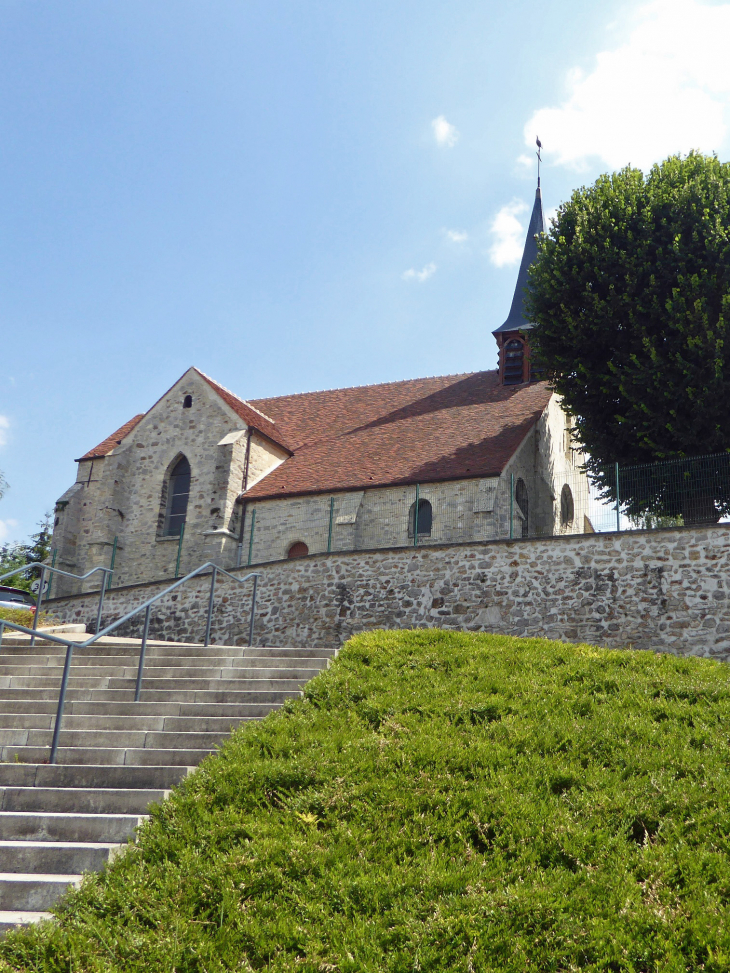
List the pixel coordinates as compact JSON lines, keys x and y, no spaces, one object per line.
{"x":521,"y":503}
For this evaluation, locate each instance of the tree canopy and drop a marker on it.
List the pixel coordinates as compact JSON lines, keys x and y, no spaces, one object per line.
{"x":630,"y":294}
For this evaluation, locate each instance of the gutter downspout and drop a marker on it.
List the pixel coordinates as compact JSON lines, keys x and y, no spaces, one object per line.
{"x":239,"y":549}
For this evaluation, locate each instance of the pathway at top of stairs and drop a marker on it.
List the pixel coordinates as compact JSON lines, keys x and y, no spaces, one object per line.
{"x":115,"y":756}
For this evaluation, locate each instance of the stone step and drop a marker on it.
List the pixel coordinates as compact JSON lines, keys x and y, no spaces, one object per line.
{"x":67,"y":826}
{"x":152,"y":682}
{"x":28,"y":665}
{"x":55,"y":857}
{"x":126,"y":696}
{"x":11,"y":920}
{"x":11,"y":709}
{"x":106,"y":756}
{"x":33,"y":892}
{"x":79,"y":801}
{"x":161,"y":777}
{"x":115,"y":739}
{"x":16,"y":673}
{"x":13,"y":725}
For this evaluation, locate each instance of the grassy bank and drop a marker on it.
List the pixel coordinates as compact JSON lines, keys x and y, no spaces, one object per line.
{"x":445,"y":802}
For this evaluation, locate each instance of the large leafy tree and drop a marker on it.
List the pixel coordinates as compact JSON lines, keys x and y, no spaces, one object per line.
{"x":630,"y":294}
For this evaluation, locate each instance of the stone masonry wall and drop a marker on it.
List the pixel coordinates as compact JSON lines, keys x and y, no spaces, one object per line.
{"x":662,"y":590}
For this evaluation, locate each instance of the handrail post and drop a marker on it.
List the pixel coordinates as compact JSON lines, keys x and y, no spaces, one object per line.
{"x":38,"y":604}
{"x":53,"y":564}
{"x":61,"y":703}
{"x":2,"y":630}
{"x":210,"y":605}
{"x":108,"y":577}
{"x":253,"y":610}
{"x":250,"y":540}
{"x":142,"y":652}
{"x":179,"y":549}
{"x":101,"y":600}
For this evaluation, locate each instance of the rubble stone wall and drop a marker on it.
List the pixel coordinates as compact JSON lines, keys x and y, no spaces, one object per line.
{"x":664,"y":590}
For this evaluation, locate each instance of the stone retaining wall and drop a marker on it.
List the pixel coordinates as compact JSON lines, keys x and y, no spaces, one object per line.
{"x":663,"y":590}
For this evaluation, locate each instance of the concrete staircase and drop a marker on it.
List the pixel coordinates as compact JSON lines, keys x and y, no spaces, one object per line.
{"x":115,"y":756}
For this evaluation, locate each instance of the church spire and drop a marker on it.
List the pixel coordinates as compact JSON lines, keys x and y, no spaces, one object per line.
{"x":514,"y":349}
{"x":516,"y":320}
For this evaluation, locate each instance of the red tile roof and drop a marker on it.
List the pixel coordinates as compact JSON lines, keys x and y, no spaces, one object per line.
{"x":107,"y":445}
{"x":423,"y":430}
{"x":251,"y":415}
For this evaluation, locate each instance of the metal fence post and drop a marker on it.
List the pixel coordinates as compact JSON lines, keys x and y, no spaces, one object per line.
{"x":108,"y":578}
{"x":2,"y":630}
{"x":61,"y":704}
{"x":618,"y":503}
{"x":142,"y":653}
{"x":253,"y":609}
{"x":329,"y":532}
{"x":511,"y":506}
{"x":179,"y":549}
{"x":250,"y":542}
{"x":415,"y":518}
{"x":38,"y":604}
{"x":210,"y":606}
{"x":101,"y":599}
{"x":50,"y":580}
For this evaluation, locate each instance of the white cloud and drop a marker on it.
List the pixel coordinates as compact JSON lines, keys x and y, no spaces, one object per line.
{"x":666,"y":89}
{"x":4,"y":426}
{"x":457,"y":236}
{"x":444,"y":132}
{"x":6,"y":526}
{"x":508,"y":234}
{"x":420,"y":275}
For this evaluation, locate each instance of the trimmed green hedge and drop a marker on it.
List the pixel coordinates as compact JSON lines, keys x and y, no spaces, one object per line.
{"x":438,"y":802}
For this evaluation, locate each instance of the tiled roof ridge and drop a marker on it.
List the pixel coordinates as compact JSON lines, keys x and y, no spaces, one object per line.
{"x":370,"y":385}
{"x":245,"y":402}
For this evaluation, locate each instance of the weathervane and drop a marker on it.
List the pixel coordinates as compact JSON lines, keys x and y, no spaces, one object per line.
{"x":538,"y":143}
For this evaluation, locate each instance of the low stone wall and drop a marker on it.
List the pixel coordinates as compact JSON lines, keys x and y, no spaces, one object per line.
{"x":663,"y":590}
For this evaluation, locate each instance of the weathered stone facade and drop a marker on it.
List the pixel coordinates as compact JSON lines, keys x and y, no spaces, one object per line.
{"x":664,"y":590}
{"x":121,"y":495}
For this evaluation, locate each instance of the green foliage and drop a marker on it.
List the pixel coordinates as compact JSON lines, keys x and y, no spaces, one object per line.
{"x":631,"y":296}
{"x":21,"y":617}
{"x":17,"y":554}
{"x":437,"y":802}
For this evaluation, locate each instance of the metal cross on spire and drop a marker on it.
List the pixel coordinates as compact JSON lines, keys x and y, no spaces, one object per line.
{"x":538,"y":143}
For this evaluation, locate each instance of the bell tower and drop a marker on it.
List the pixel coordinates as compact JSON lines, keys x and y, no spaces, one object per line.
{"x":512,"y":337}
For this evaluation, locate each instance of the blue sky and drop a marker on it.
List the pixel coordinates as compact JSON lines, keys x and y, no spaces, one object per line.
{"x":297,"y":195}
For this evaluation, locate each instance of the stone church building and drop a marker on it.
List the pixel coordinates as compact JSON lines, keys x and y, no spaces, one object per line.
{"x":206,"y":475}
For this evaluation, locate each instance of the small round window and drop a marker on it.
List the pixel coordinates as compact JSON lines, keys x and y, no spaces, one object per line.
{"x":567,"y":512}
{"x":299,"y":549}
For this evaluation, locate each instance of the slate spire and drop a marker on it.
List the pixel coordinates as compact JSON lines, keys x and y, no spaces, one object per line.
{"x":516,"y":321}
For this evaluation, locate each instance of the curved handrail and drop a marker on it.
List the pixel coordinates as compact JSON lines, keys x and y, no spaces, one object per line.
{"x":48,"y":567}
{"x":146,"y":607}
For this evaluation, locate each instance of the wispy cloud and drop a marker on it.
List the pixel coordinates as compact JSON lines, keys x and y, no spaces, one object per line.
{"x":508,"y":234}
{"x":4,"y":427}
{"x":444,"y":132}
{"x":420,"y":275}
{"x":665,"y":89}
{"x":456,"y":236}
{"x":6,"y":529}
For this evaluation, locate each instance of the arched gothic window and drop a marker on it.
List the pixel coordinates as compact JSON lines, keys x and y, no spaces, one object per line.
{"x":188,"y":402}
{"x":178,"y":492}
{"x":567,"y":510}
{"x":514,"y":355}
{"x":298,"y":549}
{"x":523,"y":505}
{"x":425,"y":518}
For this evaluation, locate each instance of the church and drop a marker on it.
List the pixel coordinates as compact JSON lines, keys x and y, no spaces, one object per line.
{"x":205,"y":475}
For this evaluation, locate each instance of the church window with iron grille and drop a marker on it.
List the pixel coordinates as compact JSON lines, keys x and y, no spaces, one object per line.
{"x":425,"y":518}
{"x":178,"y":493}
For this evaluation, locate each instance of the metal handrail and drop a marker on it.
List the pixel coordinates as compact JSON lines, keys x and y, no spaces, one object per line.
{"x":79,"y":577}
{"x":146,"y":607}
